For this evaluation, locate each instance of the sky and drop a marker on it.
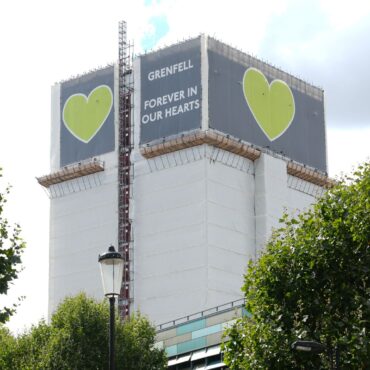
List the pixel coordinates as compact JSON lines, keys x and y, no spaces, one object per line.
{"x":42,"y":42}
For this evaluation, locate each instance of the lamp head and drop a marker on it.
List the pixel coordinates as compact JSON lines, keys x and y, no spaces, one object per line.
{"x":111,"y":268}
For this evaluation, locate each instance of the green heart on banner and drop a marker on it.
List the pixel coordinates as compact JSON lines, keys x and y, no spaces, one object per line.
{"x":272,"y":105}
{"x":84,"y":116}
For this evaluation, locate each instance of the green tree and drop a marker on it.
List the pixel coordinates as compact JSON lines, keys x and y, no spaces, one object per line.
{"x":7,"y":349}
{"x":311,"y":283}
{"x":135,"y":343}
{"x":77,"y":339}
{"x":31,"y":349}
{"x":11,"y":248}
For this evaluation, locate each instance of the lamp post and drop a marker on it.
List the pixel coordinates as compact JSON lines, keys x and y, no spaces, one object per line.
{"x":316,"y":347}
{"x":111,"y":268}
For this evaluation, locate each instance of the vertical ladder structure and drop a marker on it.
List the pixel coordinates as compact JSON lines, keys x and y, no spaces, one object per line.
{"x":125,"y":170}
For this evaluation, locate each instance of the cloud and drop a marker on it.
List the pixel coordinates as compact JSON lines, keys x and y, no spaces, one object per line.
{"x":346,"y":78}
{"x":323,"y":42}
{"x":239,"y":22}
{"x":150,"y":2}
{"x":347,"y":149}
{"x":158,"y":28}
{"x":327,"y":51}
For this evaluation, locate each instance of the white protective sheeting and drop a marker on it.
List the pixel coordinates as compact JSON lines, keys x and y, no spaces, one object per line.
{"x":196,"y":226}
{"x":180,"y":266}
{"x":83,"y":221}
{"x":82,"y":225}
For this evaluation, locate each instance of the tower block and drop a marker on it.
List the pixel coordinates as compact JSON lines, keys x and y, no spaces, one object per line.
{"x":194,"y":151}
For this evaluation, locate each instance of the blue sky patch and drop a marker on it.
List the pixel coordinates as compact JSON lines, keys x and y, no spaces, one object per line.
{"x":150,"y":2}
{"x":160,"y":28}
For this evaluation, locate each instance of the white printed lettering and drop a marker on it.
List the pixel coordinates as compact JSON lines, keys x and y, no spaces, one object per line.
{"x":170,"y":70}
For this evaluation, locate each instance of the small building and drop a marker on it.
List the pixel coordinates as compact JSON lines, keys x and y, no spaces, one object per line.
{"x":194,"y":341}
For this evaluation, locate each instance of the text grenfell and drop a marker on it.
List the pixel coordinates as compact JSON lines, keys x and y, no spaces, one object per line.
{"x":170,"y":70}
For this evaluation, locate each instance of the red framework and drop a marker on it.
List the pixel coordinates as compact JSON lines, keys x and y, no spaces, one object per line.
{"x":124,"y":169}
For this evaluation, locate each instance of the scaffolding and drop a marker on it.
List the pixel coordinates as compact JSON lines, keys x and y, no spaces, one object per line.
{"x":310,"y":175}
{"x":73,"y":178}
{"x":71,"y":172}
{"x":199,"y":137}
{"x":125,"y":169}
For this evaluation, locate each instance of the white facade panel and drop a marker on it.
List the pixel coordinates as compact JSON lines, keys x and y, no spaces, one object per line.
{"x":274,"y":196}
{"x":224,"y":260}
{"x":172,"y":219}
{"x":226,"y":175}
{"x":169,"y":225}
{"x":83,"y":224}
{"x":235,"y":241}
{"x":162,"y":309}
{"x":198,"y":224}
{"x":301,"y":195}
{"x":181,"y":280}
{"x":222,"y":282}
{"x":229,"y":218}
{"x":222,"y":285}
{"x":191,"y":235}
{"x":229,"y":197}
{"x":230,"y":229}
{"x":77,"y":236}
{"x":191,"y":219}
{"x":270,"y":196}
{"x":172,"y":262}
{"x":159,"y":180}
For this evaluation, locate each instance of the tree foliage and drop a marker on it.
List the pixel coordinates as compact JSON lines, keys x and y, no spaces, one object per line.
{"x":77,"y":339}
{"x":7,"y":346}
{"x":11,"y":248}
{"x":311,"y":283}
{"x":135,"y":346}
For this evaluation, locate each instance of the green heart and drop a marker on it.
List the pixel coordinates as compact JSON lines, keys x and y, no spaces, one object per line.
{"x":84,"y":116}
{"x":272,"y":105}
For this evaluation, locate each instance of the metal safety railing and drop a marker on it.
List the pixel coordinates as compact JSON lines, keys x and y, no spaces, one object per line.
{"x":202,"y":314}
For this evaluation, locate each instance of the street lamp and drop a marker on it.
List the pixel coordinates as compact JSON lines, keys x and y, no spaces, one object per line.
{"x":316,"y":347}
{"x":111,"y":268}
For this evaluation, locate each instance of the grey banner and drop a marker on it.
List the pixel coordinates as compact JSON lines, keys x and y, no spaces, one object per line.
{"x":87,"y":116}
{"x":170,"y":91}
{"x":303,"y":140}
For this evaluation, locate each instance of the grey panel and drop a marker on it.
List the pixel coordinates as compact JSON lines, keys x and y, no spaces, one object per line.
{"x":71,"y":148}
{"x":303,"y":141}
{"x":170,"y":91}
